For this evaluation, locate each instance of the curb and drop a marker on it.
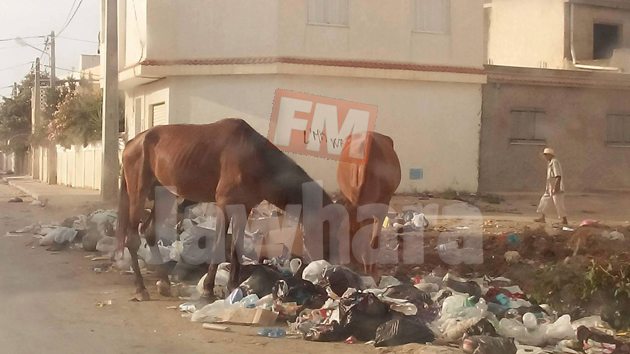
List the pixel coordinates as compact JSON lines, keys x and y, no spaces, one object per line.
{"x":36,"y":196}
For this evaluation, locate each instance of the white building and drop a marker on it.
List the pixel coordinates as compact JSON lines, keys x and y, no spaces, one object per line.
{"x":419,"y":61}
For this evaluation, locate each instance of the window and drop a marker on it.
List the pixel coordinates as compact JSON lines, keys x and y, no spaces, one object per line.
{"x":433,"y":16}
{"x":527,"y":127}
{"x":158,"y":114}
{"x":605,"y":40}
{"x":328,"y":12}
{"x":618,"y":130}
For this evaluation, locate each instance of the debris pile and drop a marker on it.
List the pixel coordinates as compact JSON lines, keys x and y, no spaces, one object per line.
{"x":333,"y":304}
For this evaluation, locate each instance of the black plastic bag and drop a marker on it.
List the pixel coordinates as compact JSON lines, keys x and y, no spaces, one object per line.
{"x":261,"y":280}
{"x":340,"y":278}
{"x":408,"y":292}
{"x":468,"y":287}
{"x":403,"y":331}
{"x":482,"y":328}
{"x":362,"y":314}
{"x":488,"y":345}
{"x":326,"y":333}
{"x":300,"y":291}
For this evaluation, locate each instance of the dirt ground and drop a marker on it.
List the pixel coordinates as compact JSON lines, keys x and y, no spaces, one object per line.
{"x":49,"y":300}
{"x":49,"y":304}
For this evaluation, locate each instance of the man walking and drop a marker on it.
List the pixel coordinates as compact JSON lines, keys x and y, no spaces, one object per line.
{"x":554,"y":188}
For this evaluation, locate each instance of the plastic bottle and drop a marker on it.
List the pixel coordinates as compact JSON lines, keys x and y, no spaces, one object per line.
{"x":250,"y":301}
{"x":272,"y":332}
{"x":530,"y":321}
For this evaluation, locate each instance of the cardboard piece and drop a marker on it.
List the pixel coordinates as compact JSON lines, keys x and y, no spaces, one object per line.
{"x":245,"y":316}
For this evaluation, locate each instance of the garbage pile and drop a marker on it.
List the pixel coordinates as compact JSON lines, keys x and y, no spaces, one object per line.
{"x":325,"y":303}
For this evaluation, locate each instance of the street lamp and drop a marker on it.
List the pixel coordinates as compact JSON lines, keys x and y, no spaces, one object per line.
{"x":23,"y":43}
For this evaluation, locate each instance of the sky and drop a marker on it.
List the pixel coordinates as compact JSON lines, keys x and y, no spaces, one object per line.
{"x":25,"y":18}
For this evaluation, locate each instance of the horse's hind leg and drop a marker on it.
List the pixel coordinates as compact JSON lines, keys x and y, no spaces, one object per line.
{"x":160,"y":212}
{"x":133,"y":244}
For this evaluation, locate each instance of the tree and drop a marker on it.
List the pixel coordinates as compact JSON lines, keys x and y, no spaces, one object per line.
{"x":15,"y":116}
{"x":79,"y":117}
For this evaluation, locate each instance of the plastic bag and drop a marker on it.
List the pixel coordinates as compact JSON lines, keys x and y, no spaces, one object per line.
{"x":209,"y":313}
{"x":488,"y":345}
{"x":300,"y":291}
{"x":387,"y":281}
{"x":90,"y":240}
{"x":362,"y":314}
{"x":107,"y":245}
{"x":409,"y":293}
{"x":191,"y":252}
{"x":452,"y":305}
{"x":402,"y":331}
{"x":63,"y":234}
{"x":314,"y":271}
{"x":221,"y":280}
{"x":340,"y":278}
{"x":470,"y":287}
{"x":326,"y":333}
{"x":420,"y":221}
{"x":482,"y":328}
{"x":261,"y":280}
{"x":561,"y":329}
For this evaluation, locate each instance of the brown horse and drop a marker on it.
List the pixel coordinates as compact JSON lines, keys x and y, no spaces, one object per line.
{"x":370,"y":184}
{"x":226,"y":162}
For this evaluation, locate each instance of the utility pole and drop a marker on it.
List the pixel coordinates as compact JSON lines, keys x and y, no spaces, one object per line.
{"x":110,"y":169}
{"x":14,"y":93}
{"x":53,"y":78}
{"x":51,"y":156}
{"x":35,"y":120}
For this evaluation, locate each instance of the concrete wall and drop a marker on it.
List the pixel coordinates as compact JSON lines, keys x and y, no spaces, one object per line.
{"x":201,"y":29}
{"x":138,"y":102}
{"x":435,"y":126}
{"x":384,"y":31}
{"x":575,"y":126}
{"x":584,"y":19}
{"x":527,"y":33}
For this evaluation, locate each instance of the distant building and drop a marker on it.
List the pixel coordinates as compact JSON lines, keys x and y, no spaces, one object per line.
{"x":559,"y":78}
{"x":90,"y":68}
{"x":419,"y":61}
{"x":559,"y":34}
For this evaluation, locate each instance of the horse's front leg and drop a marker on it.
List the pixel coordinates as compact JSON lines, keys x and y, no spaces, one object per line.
{"x":239,"y":223}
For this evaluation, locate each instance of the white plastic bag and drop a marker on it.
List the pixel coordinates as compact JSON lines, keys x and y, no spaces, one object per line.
{"x":314,"y":272}
{"x":107,"y":245}
{"x":175,"y":251}
{"x":387,"y":281}
{"x":561,"y":329}
{"x":420,"y":221}
{"x":220,"y":281}
{"x":209,"y":313}
{"x":58,"y":235}
{"x":452,"y":305}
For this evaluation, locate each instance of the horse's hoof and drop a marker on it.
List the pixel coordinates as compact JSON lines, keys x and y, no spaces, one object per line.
{"x":141,"y":295}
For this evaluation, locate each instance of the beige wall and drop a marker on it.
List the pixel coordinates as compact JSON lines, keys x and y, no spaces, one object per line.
{"x":148,"y":95}
{"x":584,"y":19}
{"x":527,"y":33}
{"x":575,"y":126}
{"x":383,"y":31}
{"x":377,"y":30}
{"x":435,"y":126}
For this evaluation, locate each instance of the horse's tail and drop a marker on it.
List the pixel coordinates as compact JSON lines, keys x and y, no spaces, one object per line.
{"x":123,"y":227}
